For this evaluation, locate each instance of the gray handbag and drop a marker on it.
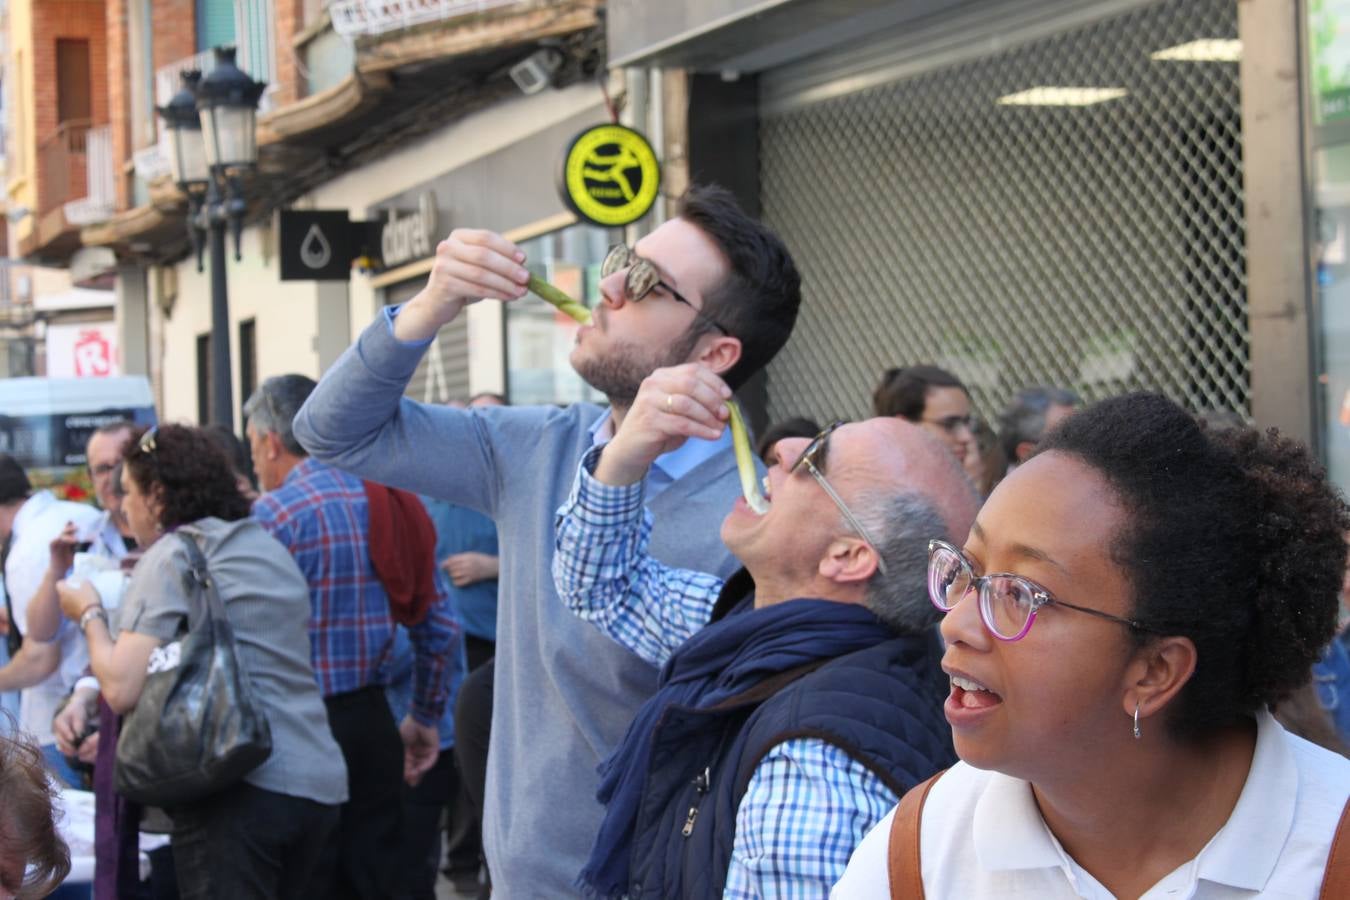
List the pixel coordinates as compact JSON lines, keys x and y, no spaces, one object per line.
{"x":198,"y":726}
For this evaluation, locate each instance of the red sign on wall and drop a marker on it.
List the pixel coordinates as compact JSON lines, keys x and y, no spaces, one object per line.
{"x":82,"y":350}
{"x":93,"y":354}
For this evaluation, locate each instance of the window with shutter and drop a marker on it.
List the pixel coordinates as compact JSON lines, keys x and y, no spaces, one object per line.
{"x":215,"y":23}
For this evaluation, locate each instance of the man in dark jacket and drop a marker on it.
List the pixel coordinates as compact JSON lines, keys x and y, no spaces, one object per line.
{"x":786,"y":728}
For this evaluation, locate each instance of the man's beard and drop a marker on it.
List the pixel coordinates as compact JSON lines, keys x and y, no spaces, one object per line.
{"x":619,"y":373}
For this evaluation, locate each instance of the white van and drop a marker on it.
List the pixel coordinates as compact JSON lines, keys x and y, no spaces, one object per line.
{"x":46,"y":422}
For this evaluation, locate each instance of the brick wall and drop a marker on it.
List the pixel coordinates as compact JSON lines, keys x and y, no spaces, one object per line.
{"x":175,"y":31}
{"x":77,"y":19}
{"x":173,"y":37}
{"x":54,"y":20}
{"x":119,"y":102}
{"x":290,"y":21}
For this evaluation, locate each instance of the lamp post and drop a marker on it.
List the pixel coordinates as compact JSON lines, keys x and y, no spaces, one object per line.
{"x":212,"y":127}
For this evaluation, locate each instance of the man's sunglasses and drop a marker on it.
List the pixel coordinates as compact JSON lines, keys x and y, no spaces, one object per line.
{"x":642,"y":279}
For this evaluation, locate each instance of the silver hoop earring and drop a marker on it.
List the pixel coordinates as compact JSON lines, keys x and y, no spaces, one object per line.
{"x":1137,"y":734}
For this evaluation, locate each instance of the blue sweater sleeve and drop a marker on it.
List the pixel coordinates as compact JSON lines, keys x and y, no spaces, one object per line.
{"x":358,"y":420}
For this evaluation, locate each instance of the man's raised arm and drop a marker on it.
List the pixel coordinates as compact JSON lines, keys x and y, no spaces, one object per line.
{"x":602,"y":570}
{"x":358,"y":419}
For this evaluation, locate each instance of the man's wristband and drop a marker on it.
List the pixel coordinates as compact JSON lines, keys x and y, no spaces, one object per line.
{"x":93,"y":612}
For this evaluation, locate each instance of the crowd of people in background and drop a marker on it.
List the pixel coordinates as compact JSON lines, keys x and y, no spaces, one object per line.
{"x":1067,"y":650}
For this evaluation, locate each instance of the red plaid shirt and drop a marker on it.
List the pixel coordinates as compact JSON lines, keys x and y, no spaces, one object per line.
{"x":319,"y":513}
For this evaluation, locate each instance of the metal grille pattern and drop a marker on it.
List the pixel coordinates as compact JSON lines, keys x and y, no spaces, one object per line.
{"x":1097,"y":247}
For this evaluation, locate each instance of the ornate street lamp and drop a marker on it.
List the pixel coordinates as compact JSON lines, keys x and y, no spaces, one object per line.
{"x":213,"y":131}
{"x":187,"y":153}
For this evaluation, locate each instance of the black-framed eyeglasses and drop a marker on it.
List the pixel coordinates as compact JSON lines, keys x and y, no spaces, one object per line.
{"x":812,"y":458}
{"x":953,"y":424}
{"x":642,"y":279}
{"x":1008,"y":603}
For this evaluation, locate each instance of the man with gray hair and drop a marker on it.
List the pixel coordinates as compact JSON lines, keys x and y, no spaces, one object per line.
{"x":1028,"y":416}
{"x":811,"y":698}
{"x":323,"y":516}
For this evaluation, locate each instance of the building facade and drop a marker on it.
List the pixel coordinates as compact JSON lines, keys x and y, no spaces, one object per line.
{"x":392,"y":114}
{"x":1100,"y":194}
{"x":56,"y":318}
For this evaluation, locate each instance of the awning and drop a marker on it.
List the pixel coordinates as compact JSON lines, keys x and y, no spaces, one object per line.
{"x":736,"y":36}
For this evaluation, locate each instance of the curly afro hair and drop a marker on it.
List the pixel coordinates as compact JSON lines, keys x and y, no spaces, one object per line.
{"x":191,"y":470}
{"x":1235,"y":540}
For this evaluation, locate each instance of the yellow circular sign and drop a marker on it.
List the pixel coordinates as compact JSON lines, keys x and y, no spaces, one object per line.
{"x":610,"y":175}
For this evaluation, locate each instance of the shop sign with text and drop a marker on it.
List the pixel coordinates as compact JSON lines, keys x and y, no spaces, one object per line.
{"x":410,"y":236}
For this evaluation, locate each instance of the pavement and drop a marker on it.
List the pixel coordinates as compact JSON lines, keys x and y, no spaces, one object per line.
{"x":445,"y":890}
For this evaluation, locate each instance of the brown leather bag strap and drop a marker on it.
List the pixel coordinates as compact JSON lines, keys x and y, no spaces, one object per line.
{"x":1336,"y":881}
{"x":902,"y":857}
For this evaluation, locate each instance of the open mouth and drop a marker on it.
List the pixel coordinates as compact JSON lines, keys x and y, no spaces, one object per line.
{"x":970,"y":694}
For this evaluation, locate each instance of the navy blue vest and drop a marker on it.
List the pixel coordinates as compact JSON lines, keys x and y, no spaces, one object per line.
{"x":882,"y":705}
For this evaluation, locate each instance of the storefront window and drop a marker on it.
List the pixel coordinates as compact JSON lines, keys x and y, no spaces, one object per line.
{"x":538,"y":338}
{"x":443,"y":374}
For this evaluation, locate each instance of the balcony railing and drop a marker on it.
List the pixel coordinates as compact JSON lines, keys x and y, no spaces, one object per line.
{"x":100,"y":177}
{"x":167,"y":80}
{"x":151,"y":163}
{"x":256,"y":54}
{"x":354,"y":18}
{"x":7,"y":308}
{"x":62,"y":170}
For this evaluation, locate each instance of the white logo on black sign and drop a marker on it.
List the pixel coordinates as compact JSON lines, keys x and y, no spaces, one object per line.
{"x":315,"y":251}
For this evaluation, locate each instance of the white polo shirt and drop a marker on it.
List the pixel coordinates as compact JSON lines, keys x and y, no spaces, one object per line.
{"x":983,"y":836}
{"x":37,"y":523}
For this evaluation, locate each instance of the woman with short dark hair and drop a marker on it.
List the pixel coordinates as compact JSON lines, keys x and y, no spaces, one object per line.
{"x":932,"y":398}
{"x":263,"y":836}
{"x":1128,"y":606}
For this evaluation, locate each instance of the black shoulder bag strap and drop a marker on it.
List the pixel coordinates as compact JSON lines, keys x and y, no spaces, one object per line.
{"x":207,"y":602}
{"x":13,"y":640}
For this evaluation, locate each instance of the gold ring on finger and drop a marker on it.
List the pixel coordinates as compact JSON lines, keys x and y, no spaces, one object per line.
{"x":670,"y":402}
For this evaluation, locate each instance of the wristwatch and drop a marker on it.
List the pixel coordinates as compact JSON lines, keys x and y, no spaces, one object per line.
{"x":93,"y":612}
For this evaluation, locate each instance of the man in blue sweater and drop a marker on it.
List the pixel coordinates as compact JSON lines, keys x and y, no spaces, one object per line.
{"x":711,"y":285}
{"x":790,"y":725}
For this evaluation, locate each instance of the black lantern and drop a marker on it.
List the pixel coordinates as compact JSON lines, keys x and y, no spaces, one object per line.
{"x":212,"y":123}
{"x":187,"y":156}
{"x":227,"y":102}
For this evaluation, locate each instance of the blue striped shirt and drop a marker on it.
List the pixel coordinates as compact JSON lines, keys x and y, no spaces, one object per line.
{"x":809,"y":803}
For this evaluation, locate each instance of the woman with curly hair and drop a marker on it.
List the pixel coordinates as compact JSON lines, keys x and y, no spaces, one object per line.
{"x":262,"y":837}
{"x":1126,"y":609}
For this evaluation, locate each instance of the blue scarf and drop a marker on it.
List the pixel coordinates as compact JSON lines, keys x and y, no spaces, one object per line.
{"x":723,"y":660}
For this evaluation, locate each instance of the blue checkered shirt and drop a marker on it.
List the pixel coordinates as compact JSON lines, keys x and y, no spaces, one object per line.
{"x":809,"y":803}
